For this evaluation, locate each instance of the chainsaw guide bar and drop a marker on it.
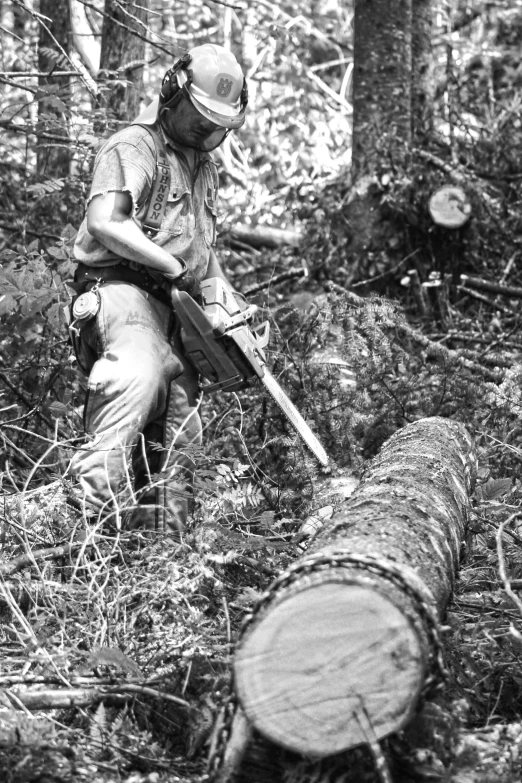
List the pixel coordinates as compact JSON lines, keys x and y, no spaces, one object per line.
{"x":229,"y":354}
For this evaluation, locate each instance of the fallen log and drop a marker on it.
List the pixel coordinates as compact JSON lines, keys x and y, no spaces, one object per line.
{"x":340,"y":648}
{"x":265,"y":236}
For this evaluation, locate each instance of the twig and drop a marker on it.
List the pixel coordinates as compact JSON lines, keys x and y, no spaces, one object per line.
{"x":29,"y":559}
{"x":388,"y":273}
{"x":29,"y":130}
{"x":449,"y":355}
{"x":502,"y":565}
{"x":126,"y":27}
{"x":63,"y":698}
{"x":29,"y":404}
{"x":15,"y":228}
{"x":37,"y":74}
{"x":289,"y":275}
{"x":39,"y":18}
{"x":482,"y":298}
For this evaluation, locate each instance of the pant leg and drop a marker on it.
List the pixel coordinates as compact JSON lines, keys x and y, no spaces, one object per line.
{"x":163,"y":463}
{"x":182,"y":434}
{"x":128,"y":388}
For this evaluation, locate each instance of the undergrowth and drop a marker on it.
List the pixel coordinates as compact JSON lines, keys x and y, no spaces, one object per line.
{"x":142,"y":629}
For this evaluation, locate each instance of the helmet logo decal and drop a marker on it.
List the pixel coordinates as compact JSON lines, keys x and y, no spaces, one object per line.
{"x":224,"y":87}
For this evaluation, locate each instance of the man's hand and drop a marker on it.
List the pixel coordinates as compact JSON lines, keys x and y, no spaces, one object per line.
{"x":187,"y":282}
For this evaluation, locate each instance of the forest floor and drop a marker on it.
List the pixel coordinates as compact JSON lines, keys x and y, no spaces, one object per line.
{"x":116,"y":652}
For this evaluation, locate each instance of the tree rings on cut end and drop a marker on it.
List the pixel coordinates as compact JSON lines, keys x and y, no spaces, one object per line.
{"x":449,"y":206}
{"x":332,"y":666}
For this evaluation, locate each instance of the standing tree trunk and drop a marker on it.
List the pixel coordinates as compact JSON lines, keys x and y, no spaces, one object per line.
{"x":54,"y":44}
{"x":122,"y":56}
{"x":342,"y":645}
{"x":423,"y":85}
{"x":381,"y":81}
{"x":392,"y":107}
{"x":382,"y":119}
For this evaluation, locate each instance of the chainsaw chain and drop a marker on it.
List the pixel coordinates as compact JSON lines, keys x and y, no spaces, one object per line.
{"x":313,"y":564}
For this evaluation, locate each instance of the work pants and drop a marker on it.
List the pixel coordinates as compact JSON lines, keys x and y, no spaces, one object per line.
{"x":141,"y":413}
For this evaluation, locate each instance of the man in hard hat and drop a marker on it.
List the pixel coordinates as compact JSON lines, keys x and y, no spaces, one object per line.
{"x":150,"y":224}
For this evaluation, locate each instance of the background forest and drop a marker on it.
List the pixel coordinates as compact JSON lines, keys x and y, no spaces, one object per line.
{"x":116,"y":657}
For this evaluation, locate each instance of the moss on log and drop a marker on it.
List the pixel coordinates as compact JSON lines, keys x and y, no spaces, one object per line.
{"x":339,"y":650}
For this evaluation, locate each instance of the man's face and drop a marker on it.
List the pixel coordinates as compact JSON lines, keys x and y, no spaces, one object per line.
{"x":187,"y":127}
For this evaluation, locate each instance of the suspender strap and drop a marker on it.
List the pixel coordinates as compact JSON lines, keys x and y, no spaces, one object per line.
{"x":160,"y":186}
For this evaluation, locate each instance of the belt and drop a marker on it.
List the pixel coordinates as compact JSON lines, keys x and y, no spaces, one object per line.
{"x":121,"y":273}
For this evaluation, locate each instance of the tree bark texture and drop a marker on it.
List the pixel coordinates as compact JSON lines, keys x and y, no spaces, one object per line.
{"x":423,"y":84}
{"x":381,"y":80}
{"x":122,"y":56}
{"x":53,"y":49}
{"x":339,"y":650}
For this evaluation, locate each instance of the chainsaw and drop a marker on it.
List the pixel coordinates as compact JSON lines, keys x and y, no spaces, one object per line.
{"x":228,"y":353}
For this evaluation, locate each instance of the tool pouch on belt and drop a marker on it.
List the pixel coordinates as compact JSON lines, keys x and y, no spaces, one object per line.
{"x":83,"y":311}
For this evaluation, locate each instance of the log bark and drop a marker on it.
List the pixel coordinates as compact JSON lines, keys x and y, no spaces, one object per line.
{"x":265,"y":236}
{"x":339,"y":650}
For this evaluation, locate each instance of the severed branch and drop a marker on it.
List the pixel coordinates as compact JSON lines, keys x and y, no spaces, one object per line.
{"x":29,"y":559}
{"x":480,"y":284}
{"x":64,"y":698}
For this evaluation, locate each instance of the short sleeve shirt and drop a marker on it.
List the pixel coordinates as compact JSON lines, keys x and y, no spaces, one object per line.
{"x":127,"y":163}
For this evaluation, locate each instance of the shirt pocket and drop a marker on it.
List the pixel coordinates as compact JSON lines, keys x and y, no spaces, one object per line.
{"x":178,"y":210}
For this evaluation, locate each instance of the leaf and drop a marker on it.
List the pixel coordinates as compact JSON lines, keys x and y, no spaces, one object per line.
{"x":111,"y":656}
{"x":98,"y":727}
{"x":58,"y":410}
{"x":248,"y":597}
{"x":494,"y":489}
{"x":69,"y":232}
{"x":41,"y":189}
{"x":8,"y":304}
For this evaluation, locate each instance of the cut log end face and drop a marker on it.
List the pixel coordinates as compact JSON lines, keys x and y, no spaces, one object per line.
{"x":330,"y":668}
{"x":450,"y":207}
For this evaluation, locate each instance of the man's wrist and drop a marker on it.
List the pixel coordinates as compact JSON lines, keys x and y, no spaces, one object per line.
{"x":179,"y":269}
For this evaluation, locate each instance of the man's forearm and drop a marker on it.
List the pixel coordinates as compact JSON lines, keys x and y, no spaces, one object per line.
{"x":126,"y":239}
{"x":109,"y":221}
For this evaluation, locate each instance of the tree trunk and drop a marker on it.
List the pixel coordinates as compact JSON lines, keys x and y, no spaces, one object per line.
{"x":122,"y":56}
{"x":340,"y":648}
{"x":381,"y":81}
{"x":382,"y":121}
{"x":423,"y":85}
{"x":53,"y":49}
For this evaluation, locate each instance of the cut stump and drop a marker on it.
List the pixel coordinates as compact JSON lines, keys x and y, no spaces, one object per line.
{"x":340,"y":648}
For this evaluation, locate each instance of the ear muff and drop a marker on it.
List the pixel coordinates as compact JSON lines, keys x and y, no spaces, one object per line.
{"x":170,"y":91}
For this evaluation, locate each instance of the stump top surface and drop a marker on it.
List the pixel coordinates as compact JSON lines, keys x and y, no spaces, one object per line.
{"x":329,"y":668}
